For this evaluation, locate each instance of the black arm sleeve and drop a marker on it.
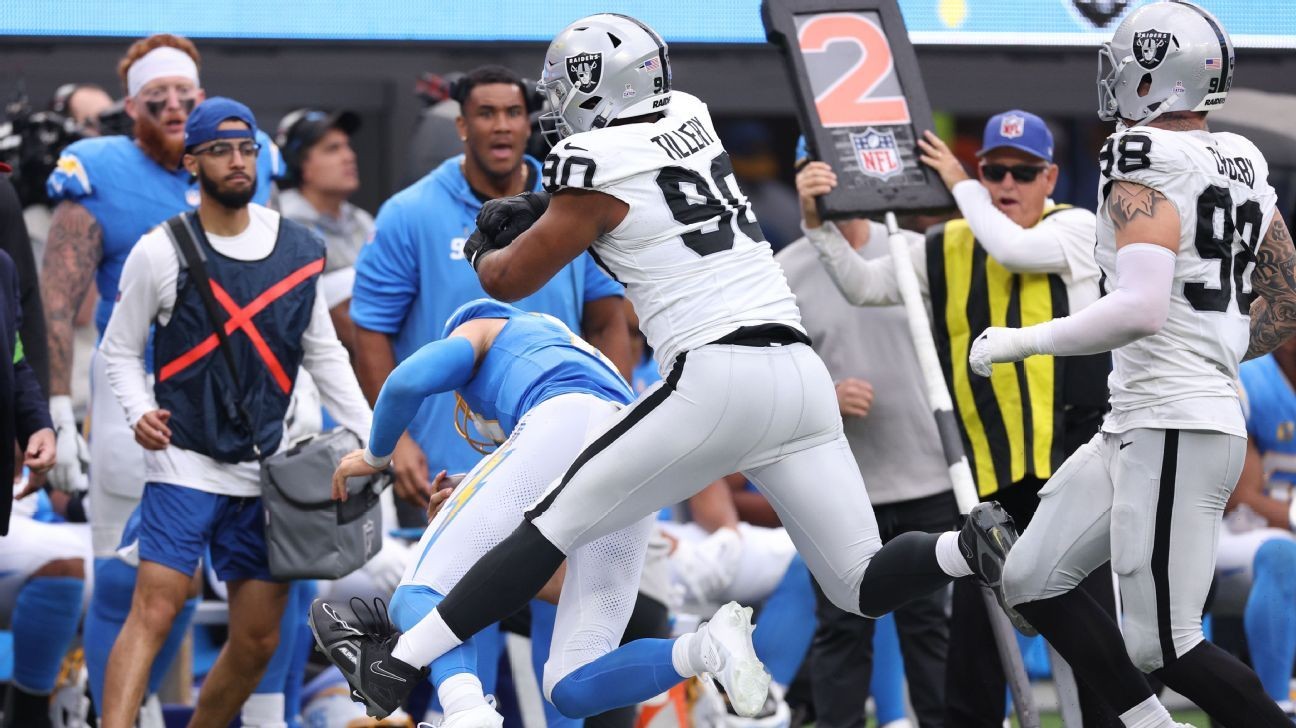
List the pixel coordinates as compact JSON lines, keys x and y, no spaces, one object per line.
{"x":15,"y":241}
{"x":31,"y":409}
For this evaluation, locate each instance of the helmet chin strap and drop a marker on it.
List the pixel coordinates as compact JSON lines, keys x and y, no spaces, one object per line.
{"x":1162,"y":108}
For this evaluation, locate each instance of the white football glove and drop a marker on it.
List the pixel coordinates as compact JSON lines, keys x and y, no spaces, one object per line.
{"x":72,"y":456}
{"x":387,"y":566}
{"x":998,"y":344}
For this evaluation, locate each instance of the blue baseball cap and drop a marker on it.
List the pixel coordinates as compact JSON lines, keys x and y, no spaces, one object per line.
{"x":802,"y":153}
{"x":1020,"y":130}
{"x":204,"y":120}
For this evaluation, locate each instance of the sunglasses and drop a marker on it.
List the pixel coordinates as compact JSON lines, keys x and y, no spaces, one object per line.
{"x":1020,"y":172}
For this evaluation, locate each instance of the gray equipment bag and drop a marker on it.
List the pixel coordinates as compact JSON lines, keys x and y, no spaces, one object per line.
{"x":308,"y":535}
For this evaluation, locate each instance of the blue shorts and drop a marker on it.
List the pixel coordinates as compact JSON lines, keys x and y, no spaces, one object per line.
{"x":177,"y":524}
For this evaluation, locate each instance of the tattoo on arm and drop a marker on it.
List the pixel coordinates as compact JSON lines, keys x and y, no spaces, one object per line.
{"x":72,"y":253}
{"x":1129,"y":200}
{"x":1273,"y":315}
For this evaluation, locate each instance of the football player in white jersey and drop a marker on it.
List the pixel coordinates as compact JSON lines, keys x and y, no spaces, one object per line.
{"x":639,"y":178}
{"x":1188,"y":239}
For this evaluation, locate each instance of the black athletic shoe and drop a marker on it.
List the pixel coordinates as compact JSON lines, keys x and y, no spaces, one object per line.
{"x":377,"y":679}
{"x":987,"y":536}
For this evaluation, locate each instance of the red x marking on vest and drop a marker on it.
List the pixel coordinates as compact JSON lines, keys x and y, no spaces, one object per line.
{"x":241,"y":318}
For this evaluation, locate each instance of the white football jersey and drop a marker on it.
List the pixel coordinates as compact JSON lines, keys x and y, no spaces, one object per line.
{"x":1184,"y":376}
{"x":689,"y":251}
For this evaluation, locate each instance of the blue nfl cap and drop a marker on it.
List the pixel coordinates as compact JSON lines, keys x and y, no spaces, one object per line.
{"x":1020,"y":130}
{"x":204,"y":120}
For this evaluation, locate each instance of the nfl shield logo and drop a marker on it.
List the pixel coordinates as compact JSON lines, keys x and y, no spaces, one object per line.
{"x":877,"y":153}
{"x":585,"y":71}
{"x":1012,"y":126}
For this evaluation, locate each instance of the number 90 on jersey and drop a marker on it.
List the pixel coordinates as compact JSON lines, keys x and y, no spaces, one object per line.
{"x":860,"y":99}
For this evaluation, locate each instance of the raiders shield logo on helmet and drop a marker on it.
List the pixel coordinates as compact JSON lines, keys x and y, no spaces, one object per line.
{"x":1150,"y":47}
{"x":585,"y":71}
{"x":1100,"y":12}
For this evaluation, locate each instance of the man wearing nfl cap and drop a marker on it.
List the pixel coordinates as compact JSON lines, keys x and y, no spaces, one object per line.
{"x":202,"y":491}
{"x":320,"y":175}
{"x":1015,"y":256}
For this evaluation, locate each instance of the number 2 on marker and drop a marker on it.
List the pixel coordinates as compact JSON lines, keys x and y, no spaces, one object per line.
{"x":845,"y":101}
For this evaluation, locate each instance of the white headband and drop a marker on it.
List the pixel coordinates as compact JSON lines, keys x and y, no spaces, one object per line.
{"x":161,"y":62}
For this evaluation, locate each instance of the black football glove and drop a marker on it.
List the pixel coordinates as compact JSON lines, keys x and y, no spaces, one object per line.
{"x":501,"y":221}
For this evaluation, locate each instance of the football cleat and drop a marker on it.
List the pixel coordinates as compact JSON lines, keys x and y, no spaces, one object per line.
{"x":730,"y":659}
{"x":987,"y":536}
{"x":377,"y":679}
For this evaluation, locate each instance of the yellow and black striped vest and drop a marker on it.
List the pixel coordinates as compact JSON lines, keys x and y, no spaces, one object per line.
{"x":1012,"y":423}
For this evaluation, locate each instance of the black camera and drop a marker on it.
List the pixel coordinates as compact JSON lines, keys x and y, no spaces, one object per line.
{"x":30,"y":143}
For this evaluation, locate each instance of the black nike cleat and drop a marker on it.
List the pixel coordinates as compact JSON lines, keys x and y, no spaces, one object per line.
{"x":987,"y":536}
{"x":377,"y":679}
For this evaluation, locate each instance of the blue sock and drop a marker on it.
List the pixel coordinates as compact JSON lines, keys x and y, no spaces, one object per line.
{"x":45,"y":618}
{"x":1270,"y":617}
{"x":276,"y":672}
{"x":887,"y":685}
{"x":543,"y":615}
{"x":412,"y":603}
{"x":786,"y":624}
{"x":628,"y":675}
{"x":166,"y":655}
{"x":114,"y":585}
{"x":304,"y":592}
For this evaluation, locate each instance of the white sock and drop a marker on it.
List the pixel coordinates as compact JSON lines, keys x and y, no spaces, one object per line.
{"x":1148,"y":714}
{"x":686,"y":655}
{"x":426,"y":641}
{"x":949,"y":557}
{"x":263,"y":710}
{"x":459,"y":692}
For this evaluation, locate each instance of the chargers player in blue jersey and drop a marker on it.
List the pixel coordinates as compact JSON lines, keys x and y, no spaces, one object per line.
{"x":110,"y":191}
{"x":527,"y":378}
{"x":412,"y":276}
{"x":1256,"y":564}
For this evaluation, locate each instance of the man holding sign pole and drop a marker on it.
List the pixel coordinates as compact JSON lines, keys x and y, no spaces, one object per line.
{"x":1015,"y":255}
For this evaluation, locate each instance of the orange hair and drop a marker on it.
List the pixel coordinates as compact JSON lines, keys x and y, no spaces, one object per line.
{"x":141,"y":47}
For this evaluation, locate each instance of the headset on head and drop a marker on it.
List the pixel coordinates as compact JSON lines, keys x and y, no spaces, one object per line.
{"x":291,"y":147}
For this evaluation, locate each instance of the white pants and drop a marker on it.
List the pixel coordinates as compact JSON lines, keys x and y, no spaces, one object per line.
{"x":1151,"y":501}
{"x":602,"y":581}
{"x":116,"y":464}
{"x":1236,"y":567}
{"x":768,"y":412}
{"x":32,"y":544}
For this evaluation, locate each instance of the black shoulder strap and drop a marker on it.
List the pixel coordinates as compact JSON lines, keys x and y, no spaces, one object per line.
{"x":180,"y":230}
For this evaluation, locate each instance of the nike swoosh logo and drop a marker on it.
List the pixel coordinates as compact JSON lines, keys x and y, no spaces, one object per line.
{"x":1124,"y":445}
{"x":377,"y":667}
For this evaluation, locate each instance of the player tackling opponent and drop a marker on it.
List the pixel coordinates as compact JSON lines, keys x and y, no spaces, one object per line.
{"x":1188,"y":239}
{"x":639,"y":178}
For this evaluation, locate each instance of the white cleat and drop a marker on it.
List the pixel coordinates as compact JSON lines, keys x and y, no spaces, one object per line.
{"x":482,"y":716}
{"x":730,"y":658}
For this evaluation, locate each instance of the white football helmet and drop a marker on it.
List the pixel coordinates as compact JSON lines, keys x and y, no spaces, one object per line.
{"x":600,"y":68}
{"x":1179,"y":48}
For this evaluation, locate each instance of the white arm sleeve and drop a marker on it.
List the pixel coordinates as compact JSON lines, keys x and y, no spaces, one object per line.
{"x":1020,"y":250}
{"x":326,"y":360}
{"x":863,"y":282}
{"x":122,"y":348}
{"x":1137,"y":308}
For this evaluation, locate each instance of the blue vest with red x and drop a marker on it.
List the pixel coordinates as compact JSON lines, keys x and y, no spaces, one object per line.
{"x":266,"y":306}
